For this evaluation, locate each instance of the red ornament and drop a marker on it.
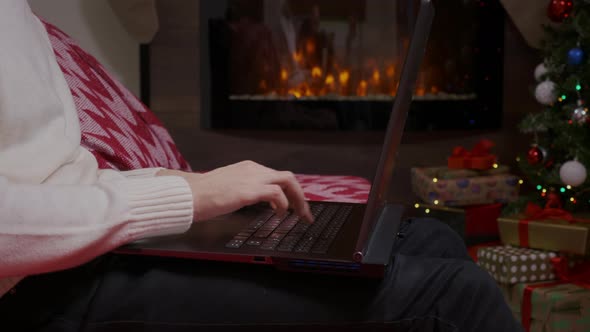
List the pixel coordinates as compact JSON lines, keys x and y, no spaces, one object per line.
{"x":535,"y":155}
{"x":559,"y":10}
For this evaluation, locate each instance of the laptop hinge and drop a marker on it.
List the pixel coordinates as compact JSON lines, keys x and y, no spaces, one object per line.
{"x":380,"y":244}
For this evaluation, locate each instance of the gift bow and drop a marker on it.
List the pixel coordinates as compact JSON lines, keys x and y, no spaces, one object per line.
{"x":578,"y":275}
{"x":477,"y":158}
{"x":481,"y":149}
{"x":536,"y":212}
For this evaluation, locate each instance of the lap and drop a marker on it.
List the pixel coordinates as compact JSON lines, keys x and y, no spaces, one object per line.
{"x":129,"y":292}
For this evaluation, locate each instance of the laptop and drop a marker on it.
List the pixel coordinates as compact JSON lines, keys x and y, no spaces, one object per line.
{"x":345,"y":239}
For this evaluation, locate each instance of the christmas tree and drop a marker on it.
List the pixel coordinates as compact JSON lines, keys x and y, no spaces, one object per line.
{"x":556,"y":162}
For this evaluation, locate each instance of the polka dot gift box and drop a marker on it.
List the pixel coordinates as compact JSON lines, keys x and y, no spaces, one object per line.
{"x":510,"y":265}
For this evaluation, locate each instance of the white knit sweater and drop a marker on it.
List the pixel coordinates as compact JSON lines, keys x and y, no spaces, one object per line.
{"x":57,"y":209}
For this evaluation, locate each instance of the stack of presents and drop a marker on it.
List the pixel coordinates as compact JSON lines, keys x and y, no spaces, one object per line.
{"x":539,"y":257}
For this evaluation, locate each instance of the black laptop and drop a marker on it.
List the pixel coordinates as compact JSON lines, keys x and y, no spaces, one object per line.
{"x":349,"y":239}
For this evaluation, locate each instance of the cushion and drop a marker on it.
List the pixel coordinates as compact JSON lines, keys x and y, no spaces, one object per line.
{"x":117,"y":128}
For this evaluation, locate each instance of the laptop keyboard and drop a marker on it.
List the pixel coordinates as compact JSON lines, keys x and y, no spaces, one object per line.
{"x":288,"y":234}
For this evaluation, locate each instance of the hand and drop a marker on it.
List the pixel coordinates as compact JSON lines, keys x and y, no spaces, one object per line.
{"x":232,"y":187}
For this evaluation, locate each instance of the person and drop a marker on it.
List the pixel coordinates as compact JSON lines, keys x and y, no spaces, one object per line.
{"x":60,"y":216}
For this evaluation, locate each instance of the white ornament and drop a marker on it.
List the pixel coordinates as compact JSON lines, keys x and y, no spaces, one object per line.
{"x":572,"y":173}
{"x":540,"y":71}
{"x":545,"y":93}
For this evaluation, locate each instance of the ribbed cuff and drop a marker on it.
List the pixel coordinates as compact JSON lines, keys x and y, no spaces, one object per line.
{"x":160,"y":205}
{"x":141,"y":173}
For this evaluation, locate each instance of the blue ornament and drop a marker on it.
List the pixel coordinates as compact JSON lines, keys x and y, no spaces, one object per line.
{"x":575,"y":56}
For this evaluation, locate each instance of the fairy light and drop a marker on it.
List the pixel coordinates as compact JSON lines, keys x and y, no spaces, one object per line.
{"x":436,"y":202}
{"x":435,"y":180}
{"x":562,"y":189}
{"x":544,"y":190}
{"x":559,"y":99}
{"x":416,"y":205}
{"x":568,"y":187}
{"x":564,"y":97}
{"x":517,"y":158}
{"x":539,"y":187}
{"x":427,"y":210}
{"x":520,"y":181}
{"x":572,"y":199}
{"x":578,"y":87}
{"x":495,"y":165}
{"x":543,"y":194}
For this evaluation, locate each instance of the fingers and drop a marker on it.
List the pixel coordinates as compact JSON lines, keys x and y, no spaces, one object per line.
{"x":274,"y":195}
{"x":286,"y":181}
{"x":295,"y":194}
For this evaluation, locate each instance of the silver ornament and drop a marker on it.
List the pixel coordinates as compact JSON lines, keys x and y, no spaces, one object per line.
{"x":540,"y":71}
{"x":580,"y":115}
{"x":545,"y":92}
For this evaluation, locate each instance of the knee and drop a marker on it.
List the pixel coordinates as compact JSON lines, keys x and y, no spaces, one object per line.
{"x":431,"y":227}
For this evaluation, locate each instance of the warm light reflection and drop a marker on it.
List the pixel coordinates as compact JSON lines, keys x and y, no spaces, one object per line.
{"x":316,"y":72}
{"x":361,"y":90}
{"x":344,"y":77}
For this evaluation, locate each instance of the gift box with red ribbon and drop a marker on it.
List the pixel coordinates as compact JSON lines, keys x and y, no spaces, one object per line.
{"x":442,"y":186}
{"x":547,"y":228}
{"x":479,"y":157}
{"x":560,"y":305}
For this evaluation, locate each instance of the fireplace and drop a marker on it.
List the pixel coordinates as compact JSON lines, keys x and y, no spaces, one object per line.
{"x":335,"y":65}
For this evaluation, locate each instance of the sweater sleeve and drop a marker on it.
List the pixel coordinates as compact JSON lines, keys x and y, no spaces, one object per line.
{"x":52,"y":227}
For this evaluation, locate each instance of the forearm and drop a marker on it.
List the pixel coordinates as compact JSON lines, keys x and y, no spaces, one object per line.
{"x":51,"y":227}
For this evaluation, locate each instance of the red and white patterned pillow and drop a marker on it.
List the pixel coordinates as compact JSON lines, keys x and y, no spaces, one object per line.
{"x":117,"y":128}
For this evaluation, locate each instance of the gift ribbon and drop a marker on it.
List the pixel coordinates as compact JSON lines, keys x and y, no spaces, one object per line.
{"x":579,"y":275}
{"x":480,"y":150}
{"x":534,"y":212}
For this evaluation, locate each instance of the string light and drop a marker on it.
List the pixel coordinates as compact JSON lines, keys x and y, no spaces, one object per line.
{"x":564,"y":97}
{"x":543,"y":194}
{"x":436,"y":202}
{"x":495,"y":165}
{"x":578,"y":87}
{"x":568,"y":187}
{"x":544,"y":190}
{"x":539,"y":187}
{"x":559,"y":99}
{"x":435,"y":180}
{"x":427,"y":210}
{"x":517,"y":158}
{"x":562,"y":189}
{"x":520,"y":181}
{"x":572,"y":199}
{"x":416,"y":205}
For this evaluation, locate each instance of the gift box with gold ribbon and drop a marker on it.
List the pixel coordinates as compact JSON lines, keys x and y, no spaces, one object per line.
{"x":560,"y":305}
{"x":547,"y":228}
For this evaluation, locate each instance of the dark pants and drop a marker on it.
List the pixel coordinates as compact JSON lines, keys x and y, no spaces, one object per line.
{"x":431,"y":285}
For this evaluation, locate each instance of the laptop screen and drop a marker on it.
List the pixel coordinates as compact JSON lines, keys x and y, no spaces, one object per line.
{"x":419,"y":28}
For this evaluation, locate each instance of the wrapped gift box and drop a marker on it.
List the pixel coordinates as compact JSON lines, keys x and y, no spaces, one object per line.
{"x":440,"y":185}
{"x":510,"y":265}
{"x":475,"y":224}
{"x":560,"y":307}
{"x":555,"y":235}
